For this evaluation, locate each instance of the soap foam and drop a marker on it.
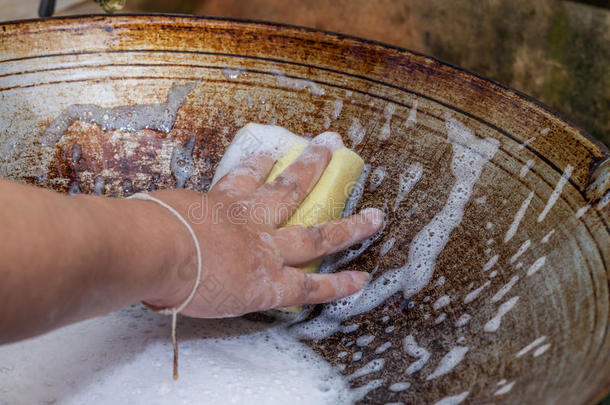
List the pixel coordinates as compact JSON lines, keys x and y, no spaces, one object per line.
{"x":159,"y":117}
{"x":494,"y":323}
{"x":449,"y":361}
{"x":454,"y":399}
{"x":256,"y":139}
{"x":414,"y":350}
{"x":469,"y":156}
{"x":377,"y":178}
{"x":125,"y":357}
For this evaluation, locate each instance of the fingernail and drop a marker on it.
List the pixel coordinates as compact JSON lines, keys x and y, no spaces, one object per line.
{"x":374,"y":215}
{"x":331,"y":140}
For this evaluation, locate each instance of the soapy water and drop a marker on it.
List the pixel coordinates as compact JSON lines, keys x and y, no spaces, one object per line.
{"x":160,"y":117}
{"x":124,"y":358}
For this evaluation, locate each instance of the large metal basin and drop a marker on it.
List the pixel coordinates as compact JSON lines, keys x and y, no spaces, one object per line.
{"x":519,"y":260}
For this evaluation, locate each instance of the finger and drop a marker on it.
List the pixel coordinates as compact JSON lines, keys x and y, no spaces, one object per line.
{"x":300,"y":287}
{"x":246,"y":177}
{"x":302,"y":244}
{"x":283,"y":195}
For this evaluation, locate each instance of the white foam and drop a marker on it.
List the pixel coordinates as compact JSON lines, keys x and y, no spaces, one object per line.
{"x":350,"y":328}
{"x":453,"y":400}
{"x":526,"y":142}
{"x":440,"y":318}
{"x":556,"y":192}
{"x":481,"y":200}
{"x":371,"y":367}
{"x":412,"y":118}
{"x":182,"y":164}
{"x":547,"y":237}
{"x":357,"y":191}
{"x":469,"y":156}
{"x":475,"y":293}
{"x":356,"y":132}
{"x":491,"y":262}
{"x":400,"y":386}
{"x":512,"y":230}
{"x":377,"y":178}
{"x":408,"y":179}
{"x":505,"y":289}
{"x":520,"y":251}
{"x":530,"y":346}
{"x":383,"y":347}
{"x":526,"y":167}
{"x":99,"y":186}
{"x":365,"y":340}
{"x":255,"y":139}
{"x":337,"y":107}
{"x":125,"y":357}
{"x":123,"y":118}
{"x":357,"y":394}
{"x":232,"y":73}
{"x":505,"y":389}
{"x":326,"y":122}
{"x":494,"y":323}
{"x":582,"y":210}
{"x":298,"y":84}
{"x":414,"y":350}
{"x":603,"y":202}
{"x":537,"y":265}
{"x":449,"y":362}
{"x":388,"y":111}
{"x":541,"y":349}
{"x":441,"y":302}
{"x":463,"y":320}
{"x":387,"y":245}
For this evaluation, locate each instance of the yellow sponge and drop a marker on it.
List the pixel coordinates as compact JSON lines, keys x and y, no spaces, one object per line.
{"x":327,"y":199}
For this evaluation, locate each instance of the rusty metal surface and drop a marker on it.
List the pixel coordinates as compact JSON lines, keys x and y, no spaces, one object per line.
{"x":120,"y":72}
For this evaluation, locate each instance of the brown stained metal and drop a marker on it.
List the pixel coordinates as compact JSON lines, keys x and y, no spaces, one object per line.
{"x":46,"y":66}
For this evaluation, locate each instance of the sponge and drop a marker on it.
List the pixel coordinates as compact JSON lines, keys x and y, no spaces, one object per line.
{"x":327,"y":199}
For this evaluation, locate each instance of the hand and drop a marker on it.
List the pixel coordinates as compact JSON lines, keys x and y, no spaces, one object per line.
{"x":249,"y":261}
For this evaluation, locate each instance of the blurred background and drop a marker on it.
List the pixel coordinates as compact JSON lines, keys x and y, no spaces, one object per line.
{"x":557,"y":52}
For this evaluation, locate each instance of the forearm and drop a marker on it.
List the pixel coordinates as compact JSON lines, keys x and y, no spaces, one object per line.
{"x":65,"y":259}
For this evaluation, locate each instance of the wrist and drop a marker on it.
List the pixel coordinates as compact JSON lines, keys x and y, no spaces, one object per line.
{"x":148,"y":248}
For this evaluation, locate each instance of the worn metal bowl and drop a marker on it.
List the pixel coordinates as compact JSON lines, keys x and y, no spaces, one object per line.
{"x":497,"y":233}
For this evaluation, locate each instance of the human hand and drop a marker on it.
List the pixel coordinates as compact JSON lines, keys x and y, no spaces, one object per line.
{"x":248,"y":259}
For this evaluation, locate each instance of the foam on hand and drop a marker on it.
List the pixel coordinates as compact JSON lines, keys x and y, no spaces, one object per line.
{"x":255,"y":139}
{"x":326,"y":200}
